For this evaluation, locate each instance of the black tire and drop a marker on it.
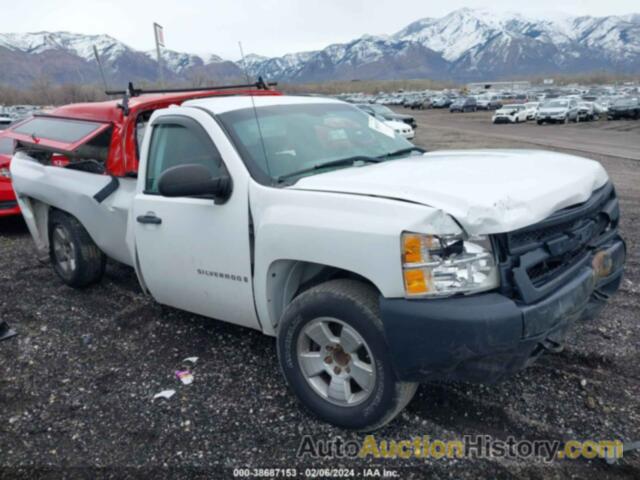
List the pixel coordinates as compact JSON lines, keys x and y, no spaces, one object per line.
{"x":85,"y":263}
{"x":356,"y":305}
{"x":540,"y":122}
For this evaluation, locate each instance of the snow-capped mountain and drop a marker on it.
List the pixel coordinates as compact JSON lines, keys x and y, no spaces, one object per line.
{"x":479,"y":44}
{"x":64,"y":57}
{"x":466,"y":44}
{"x":82,"y":45}
{"x":181,"y":62}
{"x":368,"y":57}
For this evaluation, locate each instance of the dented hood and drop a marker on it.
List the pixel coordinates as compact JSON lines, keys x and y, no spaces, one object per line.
{"x":486,"y":191}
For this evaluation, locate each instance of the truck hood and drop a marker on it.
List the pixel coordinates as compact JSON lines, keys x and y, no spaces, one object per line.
{"x":486,"y":191}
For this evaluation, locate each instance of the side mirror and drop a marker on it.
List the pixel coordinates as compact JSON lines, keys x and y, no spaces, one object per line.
{"x":193,"y":180}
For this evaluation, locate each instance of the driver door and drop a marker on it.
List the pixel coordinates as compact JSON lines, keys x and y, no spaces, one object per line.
{"x":191,"y":253}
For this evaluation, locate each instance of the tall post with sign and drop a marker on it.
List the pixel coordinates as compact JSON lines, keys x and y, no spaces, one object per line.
{"x":159,"y":34}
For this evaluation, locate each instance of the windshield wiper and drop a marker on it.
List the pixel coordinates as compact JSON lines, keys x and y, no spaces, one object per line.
{"x":402,"y":151}
{"x":333,"y":163}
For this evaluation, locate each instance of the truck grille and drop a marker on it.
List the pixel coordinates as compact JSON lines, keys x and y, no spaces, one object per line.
{"x":536,"y":260}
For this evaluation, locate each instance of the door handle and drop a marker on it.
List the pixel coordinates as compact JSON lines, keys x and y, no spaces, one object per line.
{"x":149,"y":219}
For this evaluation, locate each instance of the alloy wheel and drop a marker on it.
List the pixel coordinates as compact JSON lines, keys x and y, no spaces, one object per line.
{"x":64,"y":250}
{"x":336,"y":362}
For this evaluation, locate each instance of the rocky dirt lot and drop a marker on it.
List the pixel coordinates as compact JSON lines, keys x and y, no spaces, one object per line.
{"x":76,"y":385}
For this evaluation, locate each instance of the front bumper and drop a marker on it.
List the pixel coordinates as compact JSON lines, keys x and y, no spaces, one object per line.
{"x":485,"y":337}
{"x":503,"y":120}
{"x":409,"y":136}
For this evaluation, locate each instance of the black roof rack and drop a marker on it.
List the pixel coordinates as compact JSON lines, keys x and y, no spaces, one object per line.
{"x":131,"y":91}
{"x":134,"y":92}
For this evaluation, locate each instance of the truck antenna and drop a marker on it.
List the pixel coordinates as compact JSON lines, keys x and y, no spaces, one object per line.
{"x":260,"y":84}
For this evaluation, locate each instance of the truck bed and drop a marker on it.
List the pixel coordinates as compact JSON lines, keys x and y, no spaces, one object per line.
{"x":39,"y":187}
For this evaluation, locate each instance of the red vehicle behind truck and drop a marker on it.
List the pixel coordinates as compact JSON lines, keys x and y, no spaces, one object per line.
{"x":8,"y":204}
{"x":109,"y":131}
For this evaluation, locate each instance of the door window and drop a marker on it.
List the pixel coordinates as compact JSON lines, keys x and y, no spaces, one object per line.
{"x":180,"y":143}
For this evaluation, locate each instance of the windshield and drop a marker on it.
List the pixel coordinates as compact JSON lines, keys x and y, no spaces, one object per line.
{"x":298,"y":137}
{"x":556,"y":104}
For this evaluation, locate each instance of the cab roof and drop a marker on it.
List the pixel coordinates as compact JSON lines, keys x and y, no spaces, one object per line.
{"x":217,"y":105}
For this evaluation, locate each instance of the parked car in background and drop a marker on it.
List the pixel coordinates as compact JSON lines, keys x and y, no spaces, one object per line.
{"x":464,"y":104}
{"x":387,"y":113}
{"x":403,"y":129}
{"x":8,"y":202}
{"x":587,"y":112}
{"x":399,"y":128}
{"x":628,"y":107}
{"x":600,"y":109}
{"x":5,"y":121}
{"x":424,"y":104}
{"x":532,"y":109}
{"x":488,"y":102}
{"x":442,"y":101}
{"x":558,"y":110}
{"x":513,"y":113}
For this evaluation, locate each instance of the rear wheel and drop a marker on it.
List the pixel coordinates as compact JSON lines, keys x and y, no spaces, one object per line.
{"x":75,"y":257}
{"x":334,"y":356}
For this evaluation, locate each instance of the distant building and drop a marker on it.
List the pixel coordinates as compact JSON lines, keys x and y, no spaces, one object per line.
{"x":514,"y":85}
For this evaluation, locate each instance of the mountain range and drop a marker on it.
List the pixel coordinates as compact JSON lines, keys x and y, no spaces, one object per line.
{"x":467,"y":44}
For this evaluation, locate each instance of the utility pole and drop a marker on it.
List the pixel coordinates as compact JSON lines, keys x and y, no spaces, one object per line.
{"x":159,"y":34}
{"x":104,"y":79}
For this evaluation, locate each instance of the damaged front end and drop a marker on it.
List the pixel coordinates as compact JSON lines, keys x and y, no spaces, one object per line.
{"x":552,"y":274}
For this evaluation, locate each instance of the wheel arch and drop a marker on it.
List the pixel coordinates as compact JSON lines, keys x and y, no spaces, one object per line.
{"x":286,"y":279}
{"x":36,"y":215}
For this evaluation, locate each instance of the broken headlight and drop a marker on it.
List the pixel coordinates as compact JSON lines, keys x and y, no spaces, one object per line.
{"x":448,"y":264}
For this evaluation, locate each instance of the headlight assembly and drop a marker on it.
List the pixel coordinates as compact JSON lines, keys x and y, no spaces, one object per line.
{"x":435,"y":266}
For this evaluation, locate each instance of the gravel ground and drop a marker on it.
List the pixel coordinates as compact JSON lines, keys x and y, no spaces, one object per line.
{"x":76,"y":385}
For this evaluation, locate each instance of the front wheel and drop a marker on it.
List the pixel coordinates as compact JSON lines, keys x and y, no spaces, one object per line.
{"x":333,"y":354}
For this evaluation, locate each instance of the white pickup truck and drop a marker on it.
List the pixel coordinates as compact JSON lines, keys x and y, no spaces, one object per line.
{"x":376,"y":265}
